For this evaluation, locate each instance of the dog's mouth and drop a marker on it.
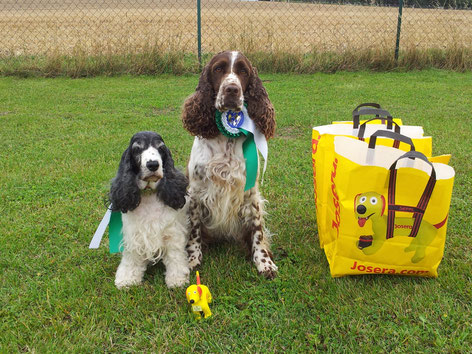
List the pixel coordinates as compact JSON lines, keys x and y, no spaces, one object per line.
{"x":232,"y":105}
{"x":152,"y":178}
{"x":362,"y":221}
{"x":149,"y":183}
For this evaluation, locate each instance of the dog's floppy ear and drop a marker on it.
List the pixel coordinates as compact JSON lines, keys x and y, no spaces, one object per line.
{"x":259,"y":107}
{"x":172,"y":188}
{"x":124,"y":193}
{"x":383,"y":205}
{"x":198,"y":115}
{"x":200,"y":291}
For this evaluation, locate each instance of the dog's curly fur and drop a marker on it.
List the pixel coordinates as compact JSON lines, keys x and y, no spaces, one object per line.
{"x":199,"y":109}
{"x":219,"y":206}
{"x":152,"y":196}
{"x":125,"y":194}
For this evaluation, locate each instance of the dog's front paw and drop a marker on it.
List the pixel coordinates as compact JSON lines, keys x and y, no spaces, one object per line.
{"x":128,"y":274}
{"x":175,"y":280}
{"x":123,"y":283}
{"x":264,"y":263}
{"x":269,"y":273}
{"x":267,"y":268}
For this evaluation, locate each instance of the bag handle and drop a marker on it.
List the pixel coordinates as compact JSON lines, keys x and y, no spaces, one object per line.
{"x":417,"y":211}
{"x":392,"y":135}
{"x":362,"y":127}
{"x":379,"y":113}
{"x":367,"y":104}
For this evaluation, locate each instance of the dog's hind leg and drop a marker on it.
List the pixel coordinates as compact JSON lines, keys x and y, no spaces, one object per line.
{"x":423,"y":239}
{"x":130,"y":271}
{"x":419,"y":254}
{"x":257,"y":238}
{"x":194,"y":245}
{"x":411,"y":247}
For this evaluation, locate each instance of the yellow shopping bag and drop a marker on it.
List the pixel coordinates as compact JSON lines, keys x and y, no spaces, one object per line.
{"x":388,"y":210}
{"x":323,"y":150}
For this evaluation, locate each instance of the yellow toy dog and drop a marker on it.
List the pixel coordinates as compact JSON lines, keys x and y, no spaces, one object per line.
{"x":371,"y":206}
{"x":199,"y":297}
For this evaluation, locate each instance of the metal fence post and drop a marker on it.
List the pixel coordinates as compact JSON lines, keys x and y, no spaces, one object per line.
{"x":199,"y":32}
{"x":399,"y":28}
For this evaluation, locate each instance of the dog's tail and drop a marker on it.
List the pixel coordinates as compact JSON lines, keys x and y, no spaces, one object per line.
{"x":199,"y":288}
{"x":441,"y":224}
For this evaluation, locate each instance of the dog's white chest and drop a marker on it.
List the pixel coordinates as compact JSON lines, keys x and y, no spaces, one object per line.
{"x":149,"y":210}
{"x":219,"y":149}
{"x":217,"y":172}
{"x":144,"y":228}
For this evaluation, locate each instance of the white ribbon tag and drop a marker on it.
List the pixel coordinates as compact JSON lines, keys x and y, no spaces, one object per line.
{"x":97,"y":237}
{"x":259,"y":138}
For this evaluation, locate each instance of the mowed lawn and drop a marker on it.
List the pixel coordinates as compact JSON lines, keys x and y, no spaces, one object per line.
{"x":60,"y":144}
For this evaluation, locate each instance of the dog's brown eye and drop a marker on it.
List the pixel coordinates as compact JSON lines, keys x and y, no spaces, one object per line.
{"x":243,"y":71}
{"x":218,"y":69}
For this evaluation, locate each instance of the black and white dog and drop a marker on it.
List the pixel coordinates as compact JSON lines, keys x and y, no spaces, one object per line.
{"x":152,"y":197}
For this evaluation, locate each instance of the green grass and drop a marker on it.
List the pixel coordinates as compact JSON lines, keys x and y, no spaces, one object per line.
{"x":155,"y":61}
{"x":60,"y":144}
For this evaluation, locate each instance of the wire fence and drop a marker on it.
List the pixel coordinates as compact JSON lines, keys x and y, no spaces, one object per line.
{"x":33,"y":27}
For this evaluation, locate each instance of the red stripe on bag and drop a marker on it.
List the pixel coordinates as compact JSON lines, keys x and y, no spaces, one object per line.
{"x":417,"y":211}
{"x":391,"y":202}
{"x":423,"y":203}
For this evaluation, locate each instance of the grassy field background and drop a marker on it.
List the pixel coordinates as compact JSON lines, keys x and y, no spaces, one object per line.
{"x":124,"y":25}
{"x":60,"y":144}
{"x":84,"y":38}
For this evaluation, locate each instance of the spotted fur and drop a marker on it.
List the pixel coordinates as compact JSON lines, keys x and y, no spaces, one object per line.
{"x":219,"y":207}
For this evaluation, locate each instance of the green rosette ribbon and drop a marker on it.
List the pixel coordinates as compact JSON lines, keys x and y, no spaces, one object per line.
{"x":115,"y":232}
{"x":229,"y":124}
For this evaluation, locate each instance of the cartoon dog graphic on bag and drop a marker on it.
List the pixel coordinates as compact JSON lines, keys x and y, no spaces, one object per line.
{"x":371,"y":206}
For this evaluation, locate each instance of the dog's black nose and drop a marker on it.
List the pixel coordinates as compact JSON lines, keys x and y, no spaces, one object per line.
{"x":232,"y":90}
{"x":152,"y":165}
{"x":361,"y":209}
{"x":192,"y":301}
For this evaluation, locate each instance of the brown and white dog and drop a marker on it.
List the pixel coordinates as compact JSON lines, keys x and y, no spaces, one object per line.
{"x":219,"y":206}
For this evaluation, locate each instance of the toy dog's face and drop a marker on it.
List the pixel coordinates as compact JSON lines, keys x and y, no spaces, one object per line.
{"x":193,"y":294}
{"x":367,"y":205}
